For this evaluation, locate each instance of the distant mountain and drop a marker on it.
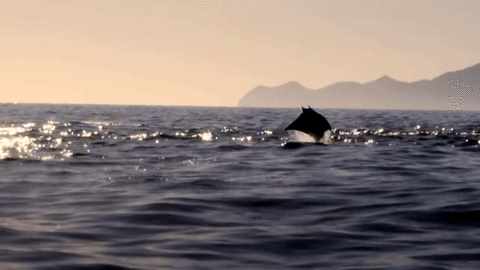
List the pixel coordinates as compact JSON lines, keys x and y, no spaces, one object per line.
{"x":458,"y":90}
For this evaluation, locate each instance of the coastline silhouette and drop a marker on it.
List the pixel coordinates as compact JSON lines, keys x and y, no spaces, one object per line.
{"x":458,"y":90}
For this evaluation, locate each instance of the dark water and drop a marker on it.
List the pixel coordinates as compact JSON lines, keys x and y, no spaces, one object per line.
{"x":90,"y":187}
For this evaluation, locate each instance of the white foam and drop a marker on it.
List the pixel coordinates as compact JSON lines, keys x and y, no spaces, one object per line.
{"x":298,"y":136}
{"x":206,"y":136}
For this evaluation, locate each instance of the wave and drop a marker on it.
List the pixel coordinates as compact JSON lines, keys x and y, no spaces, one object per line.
{"x":53,"y":140}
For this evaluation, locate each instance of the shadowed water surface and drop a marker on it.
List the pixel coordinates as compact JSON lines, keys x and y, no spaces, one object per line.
{"x":99,"y":187}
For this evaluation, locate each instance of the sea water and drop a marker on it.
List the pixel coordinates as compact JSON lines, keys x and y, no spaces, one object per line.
{"x":112,"y":187}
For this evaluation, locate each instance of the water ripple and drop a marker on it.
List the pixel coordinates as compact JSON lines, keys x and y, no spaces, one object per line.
{"x":107,"y":187}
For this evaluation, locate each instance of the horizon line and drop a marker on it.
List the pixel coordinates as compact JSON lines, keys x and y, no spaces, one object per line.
{"x":223,"y":107}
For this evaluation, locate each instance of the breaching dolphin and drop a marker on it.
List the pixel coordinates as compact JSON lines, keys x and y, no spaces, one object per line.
{"x":311,"y":123}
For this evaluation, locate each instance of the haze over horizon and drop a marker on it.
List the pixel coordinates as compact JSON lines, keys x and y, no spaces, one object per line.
{"x":211,"y":53}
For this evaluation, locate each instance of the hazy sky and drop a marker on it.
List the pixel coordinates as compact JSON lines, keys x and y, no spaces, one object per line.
{"x":211,"y":52}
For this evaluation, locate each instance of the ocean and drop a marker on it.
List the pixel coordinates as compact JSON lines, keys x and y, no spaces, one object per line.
{"x":132,"y":187}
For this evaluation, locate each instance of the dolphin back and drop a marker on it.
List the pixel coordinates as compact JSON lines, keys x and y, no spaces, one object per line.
{"x":311,"y":123}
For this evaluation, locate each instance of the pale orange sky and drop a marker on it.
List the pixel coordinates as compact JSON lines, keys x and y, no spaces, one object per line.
{"x":211,"y":52}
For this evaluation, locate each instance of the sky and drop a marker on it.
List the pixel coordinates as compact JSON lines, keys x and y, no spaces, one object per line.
{"x":212,"y":52}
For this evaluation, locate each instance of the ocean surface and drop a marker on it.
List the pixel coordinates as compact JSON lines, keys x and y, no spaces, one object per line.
{"x":112,"y":187}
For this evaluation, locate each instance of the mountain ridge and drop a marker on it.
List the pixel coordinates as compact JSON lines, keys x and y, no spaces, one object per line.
{"x":454,"y":90}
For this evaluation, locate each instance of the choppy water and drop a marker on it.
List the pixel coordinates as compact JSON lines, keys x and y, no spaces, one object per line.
{"x":92,"y":187}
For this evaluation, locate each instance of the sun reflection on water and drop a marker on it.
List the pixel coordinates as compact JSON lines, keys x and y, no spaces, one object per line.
{"x":25,"y":141}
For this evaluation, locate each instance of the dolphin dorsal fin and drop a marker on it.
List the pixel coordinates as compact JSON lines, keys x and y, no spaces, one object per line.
{"x":311,"y":123}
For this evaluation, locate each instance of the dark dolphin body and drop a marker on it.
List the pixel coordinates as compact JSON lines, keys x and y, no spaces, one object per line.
{"x":311,"y":123}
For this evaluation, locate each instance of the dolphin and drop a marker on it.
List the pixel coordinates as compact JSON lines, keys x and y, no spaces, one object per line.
{"x":311,"y":123}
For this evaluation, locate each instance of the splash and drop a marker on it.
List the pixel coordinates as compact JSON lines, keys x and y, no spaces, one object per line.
{"x":298,"y":136}
{"x":206,"y":136}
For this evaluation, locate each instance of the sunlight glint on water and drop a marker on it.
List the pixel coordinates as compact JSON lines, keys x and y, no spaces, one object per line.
{"x":172,"y":188}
